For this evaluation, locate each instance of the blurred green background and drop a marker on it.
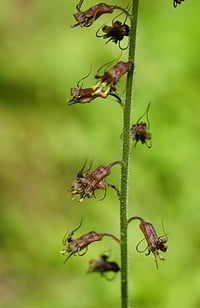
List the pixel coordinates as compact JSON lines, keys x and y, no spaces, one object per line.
{"x":44,"y":143}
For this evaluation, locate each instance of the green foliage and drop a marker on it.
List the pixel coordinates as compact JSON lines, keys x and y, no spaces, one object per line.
{"x":44,"y":142}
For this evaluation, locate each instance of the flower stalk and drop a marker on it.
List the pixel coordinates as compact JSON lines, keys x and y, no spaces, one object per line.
{"x":126,"y":158}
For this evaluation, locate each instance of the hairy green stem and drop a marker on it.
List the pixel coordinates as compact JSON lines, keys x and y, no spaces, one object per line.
{"x":126,"y":159}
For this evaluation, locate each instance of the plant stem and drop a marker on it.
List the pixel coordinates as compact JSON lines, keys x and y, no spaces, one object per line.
{"x":126,"y":160}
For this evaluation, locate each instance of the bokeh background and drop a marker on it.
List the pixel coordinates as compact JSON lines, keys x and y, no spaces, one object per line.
{"x":44,"y":143}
